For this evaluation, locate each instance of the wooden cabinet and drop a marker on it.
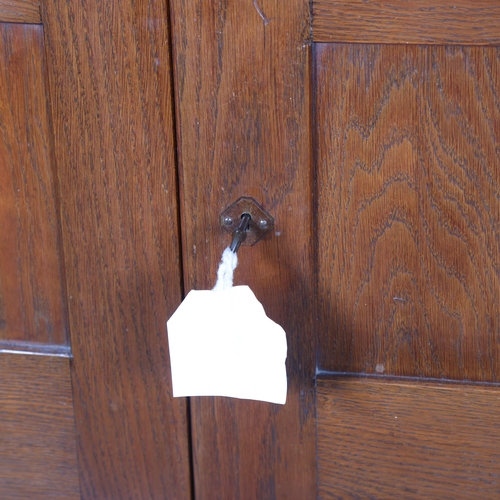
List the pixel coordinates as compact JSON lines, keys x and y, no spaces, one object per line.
{"x":369,"y":130}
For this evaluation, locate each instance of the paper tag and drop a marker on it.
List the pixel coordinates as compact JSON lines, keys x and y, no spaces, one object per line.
{"x":223,"y":344}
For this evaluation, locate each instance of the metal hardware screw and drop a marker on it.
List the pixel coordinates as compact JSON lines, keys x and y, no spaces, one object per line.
{"x":228,"y":221}
{"x":263,"y":224}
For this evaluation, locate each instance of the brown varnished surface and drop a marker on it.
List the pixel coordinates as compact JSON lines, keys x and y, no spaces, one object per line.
{"x":471,"y":22}
{"x":37,"y":429}
{"x":20,"y":11}
{"x":243,"y":106}
{"x":409,"y":206}
{"x":403,"y":439}
{"x":31,"y":294}
{"x":109,"y":74}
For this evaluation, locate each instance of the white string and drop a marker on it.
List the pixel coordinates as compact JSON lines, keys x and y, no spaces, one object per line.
{"x":226,"y":269}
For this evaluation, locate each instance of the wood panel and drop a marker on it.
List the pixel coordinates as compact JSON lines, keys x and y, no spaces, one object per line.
{"x":20,"y":11}
{"x":244,"y":129}
{"x":405,"y":439}
{"x":471,"y":22}
{"x":37,"y":428}
{"x":31,"y":293}
{"x":409,"y":205}
{"x":110,"y":82}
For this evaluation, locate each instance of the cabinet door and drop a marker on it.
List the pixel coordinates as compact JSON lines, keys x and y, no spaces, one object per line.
{"x":374,"y":144}
{"x":90,"y":263}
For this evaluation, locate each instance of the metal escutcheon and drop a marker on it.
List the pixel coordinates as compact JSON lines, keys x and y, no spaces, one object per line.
{"x":247,"y":221}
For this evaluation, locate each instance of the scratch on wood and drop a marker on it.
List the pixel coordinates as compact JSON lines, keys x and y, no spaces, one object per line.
{"x":261,"y":14}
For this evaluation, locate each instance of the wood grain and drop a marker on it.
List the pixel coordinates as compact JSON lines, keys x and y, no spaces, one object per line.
{"x":471,"y":22}
{"x":37,"y":429}
{"x":110,"y":82}
{"x":243,"y":103}
{"x":409,"y":207}
{"x":31,"y":290}
{"x":20,"y":11}
{"x":407,"y":439}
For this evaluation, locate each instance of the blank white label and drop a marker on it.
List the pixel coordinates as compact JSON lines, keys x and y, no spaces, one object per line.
{"x":223,"y":344}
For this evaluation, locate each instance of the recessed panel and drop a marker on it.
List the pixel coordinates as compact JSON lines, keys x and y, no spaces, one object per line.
{"x":31,"y":295}
{"x":409,"y":210}
{"x":37,"y":428}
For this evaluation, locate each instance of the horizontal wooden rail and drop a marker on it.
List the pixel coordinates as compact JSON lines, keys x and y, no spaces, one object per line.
{"x":440,"y":22}
{"x":20,"y":11}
